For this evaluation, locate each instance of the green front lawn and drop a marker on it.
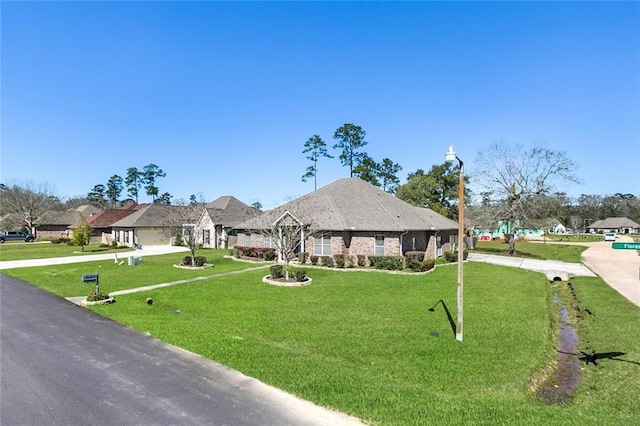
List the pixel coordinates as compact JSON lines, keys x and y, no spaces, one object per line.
{"x":65,"y":280}
{"x":536,"y":250}
{"x":43,"y":250}
{"x":366,"y":343}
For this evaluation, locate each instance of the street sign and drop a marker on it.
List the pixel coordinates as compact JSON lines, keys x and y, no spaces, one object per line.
{"x":626,"y":246}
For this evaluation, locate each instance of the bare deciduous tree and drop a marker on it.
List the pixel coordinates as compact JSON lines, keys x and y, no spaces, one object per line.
{"x":287,"y":229}
{"x":183,"y":219}
{"x":23,"y":204}
{"x":514,"y":178}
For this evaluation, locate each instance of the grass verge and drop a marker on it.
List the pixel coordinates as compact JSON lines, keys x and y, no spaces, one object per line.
{"x":65,"y":280}
{"x":563,"y":252}
{"x":43,"y":250}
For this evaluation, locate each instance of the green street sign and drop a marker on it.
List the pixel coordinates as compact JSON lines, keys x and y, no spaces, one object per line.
{"x":626,"y":246}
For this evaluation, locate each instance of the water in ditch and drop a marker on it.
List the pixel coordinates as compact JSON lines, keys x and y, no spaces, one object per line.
{"x":562,"y":384}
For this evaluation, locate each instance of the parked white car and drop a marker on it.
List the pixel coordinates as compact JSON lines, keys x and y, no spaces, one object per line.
{"x":610,"y":236}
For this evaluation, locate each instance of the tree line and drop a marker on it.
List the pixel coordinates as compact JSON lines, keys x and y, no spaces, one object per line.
{"x":109,"y":195}
{"x":350,"y":141}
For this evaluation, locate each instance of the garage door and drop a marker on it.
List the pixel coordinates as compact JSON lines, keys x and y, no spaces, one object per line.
{"x":152,"y":237}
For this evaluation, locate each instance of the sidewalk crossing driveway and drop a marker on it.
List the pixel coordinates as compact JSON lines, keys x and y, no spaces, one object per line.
{"x":553,"y":269}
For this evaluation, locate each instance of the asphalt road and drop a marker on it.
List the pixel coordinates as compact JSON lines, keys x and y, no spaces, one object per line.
{"x":65,"y":365}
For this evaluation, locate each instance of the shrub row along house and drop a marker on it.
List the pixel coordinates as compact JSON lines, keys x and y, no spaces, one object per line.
{"x":350,"y":217}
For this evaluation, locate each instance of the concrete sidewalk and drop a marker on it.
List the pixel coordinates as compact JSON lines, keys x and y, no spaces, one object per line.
{"x":552,"y":268}
{"x":145,"y":251}
{"x":79,"y":299}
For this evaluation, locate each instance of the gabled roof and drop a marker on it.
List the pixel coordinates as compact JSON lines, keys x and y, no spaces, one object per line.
{"x":152,"y":215}
{"x":614,"y":223}
{"x":59,"y":217}
{"x":86,"y":210}
{"x":351,"y":204}
{"x":228,"y":211}
{"x":108,"y":217}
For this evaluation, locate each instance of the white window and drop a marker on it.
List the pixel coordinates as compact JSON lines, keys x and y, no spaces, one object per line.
{"x":268,"y":242}
{"x":126,"y":236}
{"x":206,"y":236}
{"x":322,"y":245}
{"x":247,"y":240}
{"x":378,"y":245}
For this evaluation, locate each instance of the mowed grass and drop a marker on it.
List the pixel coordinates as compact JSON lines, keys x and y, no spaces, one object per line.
{"x":536,"y":250}
{"x":65,"y":280}
{"x":43,"y":250}
{"x":365,"y":343}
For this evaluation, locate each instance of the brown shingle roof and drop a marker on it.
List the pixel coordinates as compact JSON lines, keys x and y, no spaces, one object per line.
{"x":228,"y":211}
{"x":108,"y":217}
{"x":353,"y":204}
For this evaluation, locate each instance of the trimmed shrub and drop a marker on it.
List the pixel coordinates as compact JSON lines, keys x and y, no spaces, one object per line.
{"x":300,"y":275}
{"x":269,"y":255}
{"x":198,"y":261}
{"x":417,"y":266}
{"x":326,"y":261}
{"x":103,"y":245}
{"x":314,"y":259}
{"x":349,"y":261}
{"x":302,"y":257}
{"x":452,"y":256}
{"x":338,"y":260}
{"x":255,"y":252}
{"x":114,"y":244}
{"x":391,"y":263}
{"x":417,"y":255}
{"x":276,"y":271}
{"x":178,"y":240}
{"x":361,"y":259}
{"x":429,"y":264}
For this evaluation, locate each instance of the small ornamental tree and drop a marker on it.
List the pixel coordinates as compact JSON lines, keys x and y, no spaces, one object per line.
{"x":82,"y":233}
{"x":286,"y":232}
{"x":184,"y":220}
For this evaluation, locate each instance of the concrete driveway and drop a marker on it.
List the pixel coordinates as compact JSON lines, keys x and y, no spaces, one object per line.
{"x":618,"y":268}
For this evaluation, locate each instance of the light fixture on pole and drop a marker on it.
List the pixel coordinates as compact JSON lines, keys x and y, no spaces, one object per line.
{"x":451,"y":156}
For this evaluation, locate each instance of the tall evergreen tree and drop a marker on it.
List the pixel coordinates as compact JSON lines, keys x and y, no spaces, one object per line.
{"x":316,"y":148}
{"x":350,"y":139}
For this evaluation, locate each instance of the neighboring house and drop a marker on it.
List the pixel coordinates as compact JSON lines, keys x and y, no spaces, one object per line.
{"x":102,"y":223}
{"x":147,"y":226}
{"x":218,"y":219}
{"x":352,"y":217}
{"x":555,"y":227}
{"x":621,"y":225}
{"x":57,"y":223}
{"x":504,"y":229}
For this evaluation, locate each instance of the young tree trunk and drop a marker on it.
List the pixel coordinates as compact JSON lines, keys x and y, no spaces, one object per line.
{"x":512,"y":244}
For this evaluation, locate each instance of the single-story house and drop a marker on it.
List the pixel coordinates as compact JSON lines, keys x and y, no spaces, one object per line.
{"x":58,"y":223}
{"x":102,"y":223}
{"x":218,"y":219}
{"x":621,"y":225}
{"x":505,"y":228}
{"x":148,"y":226}
{"x":351,"y":217}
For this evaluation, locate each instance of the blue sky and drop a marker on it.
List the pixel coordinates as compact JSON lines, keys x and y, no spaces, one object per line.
{"x":222,"y":96}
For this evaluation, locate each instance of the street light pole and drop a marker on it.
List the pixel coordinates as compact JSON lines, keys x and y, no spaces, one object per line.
{"x":451,"y":156}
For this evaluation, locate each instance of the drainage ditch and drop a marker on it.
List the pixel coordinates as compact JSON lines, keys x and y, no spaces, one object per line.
{"x":562,"y":385}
